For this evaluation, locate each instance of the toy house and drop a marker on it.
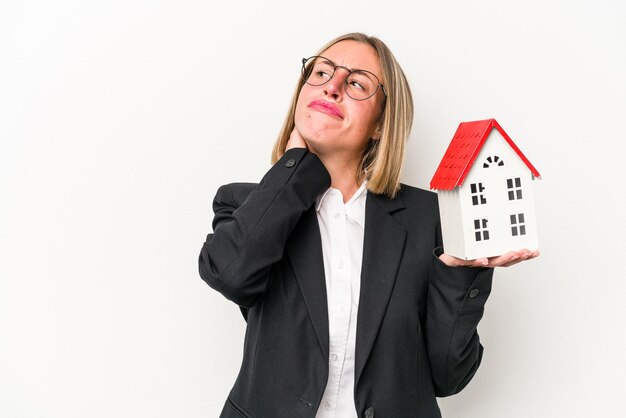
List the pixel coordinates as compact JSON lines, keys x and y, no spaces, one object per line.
{"x":484,"y":187}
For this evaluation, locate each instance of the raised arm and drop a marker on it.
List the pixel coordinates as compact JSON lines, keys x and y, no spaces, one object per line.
{"x":252,"y":225}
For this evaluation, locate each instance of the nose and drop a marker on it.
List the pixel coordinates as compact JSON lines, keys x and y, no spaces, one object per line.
{"x":335,"y":86}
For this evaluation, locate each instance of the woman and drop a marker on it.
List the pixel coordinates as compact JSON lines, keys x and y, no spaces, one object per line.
{"x":352,"y":309}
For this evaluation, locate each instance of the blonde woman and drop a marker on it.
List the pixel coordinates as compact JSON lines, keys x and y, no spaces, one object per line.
{"x":352,"y":309}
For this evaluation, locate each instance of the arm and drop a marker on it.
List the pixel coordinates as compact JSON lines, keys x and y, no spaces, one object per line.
{"x":456,"y":299}
{"x":250,"y":236}
{"x":458,"y":291}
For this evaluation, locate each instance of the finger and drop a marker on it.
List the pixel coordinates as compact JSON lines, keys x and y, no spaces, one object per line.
{"x":503,"y":259}
{"x":452,"y":261}
{"x":296,"y":140}
{"x":507,"y":259}
{"x":481,"y":262}
{"x":525,"y":256}
{"x":511,"y":260}
{"x":511,"y":263}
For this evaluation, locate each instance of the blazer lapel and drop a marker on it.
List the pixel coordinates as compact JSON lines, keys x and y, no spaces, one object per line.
{"x":307,"y":261}
{"x":382,"y":251}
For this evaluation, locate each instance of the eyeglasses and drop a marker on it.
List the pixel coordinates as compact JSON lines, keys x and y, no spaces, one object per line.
{"x":359,"y":85}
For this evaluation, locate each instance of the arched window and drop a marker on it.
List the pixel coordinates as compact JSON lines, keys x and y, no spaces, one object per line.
{"x":493,"y":160}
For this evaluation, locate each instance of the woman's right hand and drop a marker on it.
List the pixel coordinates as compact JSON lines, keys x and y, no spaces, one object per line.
{"x":296,"y":141}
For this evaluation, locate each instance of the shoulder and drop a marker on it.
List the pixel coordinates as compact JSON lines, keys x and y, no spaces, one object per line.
{"x":410,"y":203}
{"x":416,"y":210}
{"x":418,"y":199}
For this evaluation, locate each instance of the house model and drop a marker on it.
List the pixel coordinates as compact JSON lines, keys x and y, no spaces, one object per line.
{"x":484,"y":186}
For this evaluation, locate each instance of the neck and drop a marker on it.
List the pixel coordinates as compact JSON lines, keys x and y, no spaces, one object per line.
{"x":344,"y":175}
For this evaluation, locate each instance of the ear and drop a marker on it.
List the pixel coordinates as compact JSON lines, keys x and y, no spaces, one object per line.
{"x":377,"y":129}
{"x":377,"y":133}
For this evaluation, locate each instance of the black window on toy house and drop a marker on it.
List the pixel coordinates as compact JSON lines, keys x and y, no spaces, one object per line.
{"x":518,"y":224}
{"x":478,"y":197}
{"x":514,"y":188}
{"x":480,"y":229}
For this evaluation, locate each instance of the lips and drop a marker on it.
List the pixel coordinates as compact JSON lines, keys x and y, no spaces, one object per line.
{"x":327,"y":108}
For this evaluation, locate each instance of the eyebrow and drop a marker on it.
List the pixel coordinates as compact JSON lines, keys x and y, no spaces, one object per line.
{"x":350,"y":69}
{"x":326,"y":61}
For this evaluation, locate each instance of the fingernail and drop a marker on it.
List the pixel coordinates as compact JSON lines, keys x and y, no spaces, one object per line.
{"x":515,"y":257}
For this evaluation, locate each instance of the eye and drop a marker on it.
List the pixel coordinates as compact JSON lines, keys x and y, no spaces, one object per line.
{"x":356,"y":85}
{"x":321,"y":74}
{"x":360,"y":81}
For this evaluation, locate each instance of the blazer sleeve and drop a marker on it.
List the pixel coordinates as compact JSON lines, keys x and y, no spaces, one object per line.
{"x":251,"y":227}
{"x":455,"y":305}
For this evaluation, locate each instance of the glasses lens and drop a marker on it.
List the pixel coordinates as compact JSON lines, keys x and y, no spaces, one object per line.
{"x":360,"y":85}
{"x":318,"y":70}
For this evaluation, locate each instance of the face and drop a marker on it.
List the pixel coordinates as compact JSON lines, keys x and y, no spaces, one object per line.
{"x":331,"y":122}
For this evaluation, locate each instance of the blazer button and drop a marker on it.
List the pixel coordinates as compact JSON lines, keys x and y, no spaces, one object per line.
{"x":369,"y":412}
{"x":290,"y":163}
{"x":473,"y":293}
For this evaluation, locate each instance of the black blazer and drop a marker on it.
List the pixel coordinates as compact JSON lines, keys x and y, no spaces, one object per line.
{"x":416,"y":327}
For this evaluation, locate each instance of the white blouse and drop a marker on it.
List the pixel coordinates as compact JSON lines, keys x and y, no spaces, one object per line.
{"x":342,"y":231}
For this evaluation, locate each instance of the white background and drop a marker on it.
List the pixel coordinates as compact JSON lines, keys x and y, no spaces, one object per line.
{"x":119,"y":120}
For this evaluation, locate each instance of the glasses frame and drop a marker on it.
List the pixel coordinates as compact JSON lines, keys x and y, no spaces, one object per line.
{"x":345,"y":81}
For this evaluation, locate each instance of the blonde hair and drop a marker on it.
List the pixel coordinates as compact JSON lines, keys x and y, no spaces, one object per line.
{"x":382,"y":159}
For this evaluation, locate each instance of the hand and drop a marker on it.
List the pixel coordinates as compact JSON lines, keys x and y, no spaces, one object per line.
{"x":295,"y":140}
{"x":505,"y":260}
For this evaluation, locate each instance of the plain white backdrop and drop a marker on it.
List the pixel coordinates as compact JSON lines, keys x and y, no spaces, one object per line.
{"x":120,"y":119}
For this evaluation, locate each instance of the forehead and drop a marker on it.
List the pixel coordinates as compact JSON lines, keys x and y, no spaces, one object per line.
{"x":354,"y":55}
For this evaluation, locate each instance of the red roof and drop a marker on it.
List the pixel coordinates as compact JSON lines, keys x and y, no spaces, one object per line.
{"x":463,"y":150}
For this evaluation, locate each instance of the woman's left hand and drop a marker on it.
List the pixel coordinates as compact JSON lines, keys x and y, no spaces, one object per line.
{"x":296,"y":140}
{"x":505,"y":260}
